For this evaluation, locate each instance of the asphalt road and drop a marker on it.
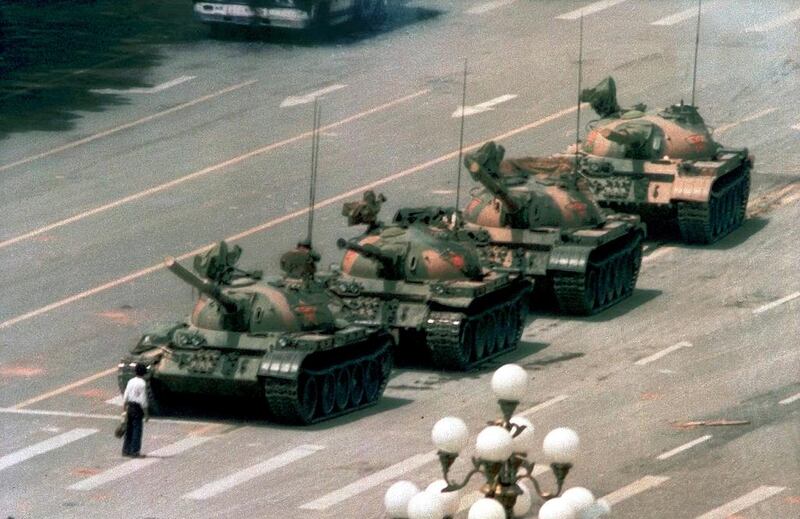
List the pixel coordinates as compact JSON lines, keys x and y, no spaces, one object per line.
{"x":90,"y":208}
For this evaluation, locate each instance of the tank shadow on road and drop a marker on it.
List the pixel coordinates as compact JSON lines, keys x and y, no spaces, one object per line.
{"x":640,"y":297}
{"x":749,"y":227}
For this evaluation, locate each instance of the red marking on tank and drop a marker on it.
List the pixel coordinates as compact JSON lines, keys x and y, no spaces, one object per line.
{"x":472,"y":205}
{"x":457,"y":261}
{"x":698,"y":140}
{"x":20,"y":371}
{"x":349,"y":258}
{"x":578,"y":207}
{"x":308,"y":312}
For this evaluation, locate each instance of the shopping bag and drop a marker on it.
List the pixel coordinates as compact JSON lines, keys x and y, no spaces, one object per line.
{"x":119,"y":432}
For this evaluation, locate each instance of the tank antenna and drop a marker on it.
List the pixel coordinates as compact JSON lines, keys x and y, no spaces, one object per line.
{"x":312,"y":192}
{"x":461,"y":136}
{"x":696,"y":47}
{"x":580,"y":85}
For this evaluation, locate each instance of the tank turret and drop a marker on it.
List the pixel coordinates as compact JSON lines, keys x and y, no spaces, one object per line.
{"x":423,"y":274}
{"x":664,"y":166}
{"x":286,"y":342}
{"x":542,"y":220}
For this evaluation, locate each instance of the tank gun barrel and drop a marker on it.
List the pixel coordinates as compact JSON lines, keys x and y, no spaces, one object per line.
{"x":371,"y":252}
{"x":493,"y":184}
{"x":204,"y":286}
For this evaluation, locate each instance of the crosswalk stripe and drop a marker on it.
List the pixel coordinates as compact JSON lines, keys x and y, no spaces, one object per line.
{"x":543,"y":405}
{"x":682,"y":16}
{"x":237,"y":478}
{"x":739,"y":504}
{"x":637,"y":487}
{"x":44,"y":446}
{"x":588,"y":9}
{"x":489,"y":6}
{"x":370,"y":481}
{"x":134,"y":465}
{"x":776,"y":22}
{"x":681,"y":448}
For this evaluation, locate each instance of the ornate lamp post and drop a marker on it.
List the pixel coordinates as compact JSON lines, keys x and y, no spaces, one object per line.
{"x":501,"y":459}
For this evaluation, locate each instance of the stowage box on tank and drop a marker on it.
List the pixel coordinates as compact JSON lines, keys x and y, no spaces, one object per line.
{"x":426,"y":281}
{"x":664,"y":166}
{"x":286,"y":344}
{"x":543,"y":221}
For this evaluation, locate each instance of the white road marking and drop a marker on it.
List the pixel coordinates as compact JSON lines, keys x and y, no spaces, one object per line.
{"x":793,"y":398}
{"x":371,"y":481}
{"x":205,"y":171}
{"x":489,"y":6}
{"x":684,"y":15}
{"x":237,"y":478}
{"x":68,"y":414}
{"x":125,"y":126}
{"x":151,"y":90}
{"x":775,"y":23}
{"x":726,"y":127}
{"x":309,"y":98}
{"x":543,"y":405}
{"x":483,"y":107}
{"x":129,"y":467}
{"x":770,"y":306}
{"x":272,"y":223}
{"x":685,"y":446}
{"x":637,"y":487}
{"x":65,"y":388}
{"x":746,"y":501}
{"x":796,"y":126}
{"x":117,"y":400}
{"x":589,"y":9}
{"x":45,"y":446}
{"x":664,"y":352}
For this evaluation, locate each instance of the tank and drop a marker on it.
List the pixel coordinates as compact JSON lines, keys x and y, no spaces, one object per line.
{"x":285,"y":344}
{"x":542,"y":219}
{"x":422,"y":275}
{"x":664,"y":166}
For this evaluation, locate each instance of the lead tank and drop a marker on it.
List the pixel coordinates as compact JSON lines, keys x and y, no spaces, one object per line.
{"x":664,"y":166}
{"x":286,"y":343}
{"x":426,"y":281}
{"x":542,"y":220}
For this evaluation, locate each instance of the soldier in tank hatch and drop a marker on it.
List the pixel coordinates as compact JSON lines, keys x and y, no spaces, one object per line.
{"x":301,"y":262}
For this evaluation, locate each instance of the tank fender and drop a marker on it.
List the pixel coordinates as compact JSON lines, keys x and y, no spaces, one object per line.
{"x":692,"y":189}
{"x":283,"y":364}
{"x":569,"y":258}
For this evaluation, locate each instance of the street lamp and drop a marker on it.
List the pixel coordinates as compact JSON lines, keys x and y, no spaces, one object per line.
{"x":501,"y":458}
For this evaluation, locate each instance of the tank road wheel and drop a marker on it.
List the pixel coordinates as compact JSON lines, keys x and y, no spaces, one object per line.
{"x":635,"y":263}
{"x":372,"y":380}
{"x":505,"y":330}
{"x":342,"y":392}
{"x":482,"y":337}
{"x":620,"y":277}
{"x":492,"y":335}
{"x":327,"y":393}
{"x":356,"y":385}
{"x":306,"y":399}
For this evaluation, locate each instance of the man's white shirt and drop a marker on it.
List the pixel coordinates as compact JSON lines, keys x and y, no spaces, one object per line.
{"x":136,"y":391}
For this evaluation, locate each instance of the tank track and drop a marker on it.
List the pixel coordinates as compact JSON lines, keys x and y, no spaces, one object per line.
{"x":609,"y":278}
{"x":704,"y":223}
{"x":452,"y":337}
{"x":282,"y":396}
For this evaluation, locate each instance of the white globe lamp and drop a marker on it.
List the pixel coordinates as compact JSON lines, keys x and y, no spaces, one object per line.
{"x":580,"y":498}
{"x":486,"y":509}
{"x":425,"y":505}
{"x":510,"y":382}
{"x":450,"y":435}
{"x":524,"y":501}
{"x":448,"y":500}
{"x":557,"y":509}
{"x":397,"y":498}
{"x":494,"y":444}
{"x":561,"y":445}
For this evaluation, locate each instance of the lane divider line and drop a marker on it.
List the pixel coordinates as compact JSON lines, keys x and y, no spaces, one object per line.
{"x":219,"y":486}
{"x":637,"y":487}
{"x":115,"y":417}
{"x":64,"y":389}
{"x":125,"y":126}
{"x":543,"y":405}
{"x":663,"y":353}
{"x":371,"y":481}
{"x":146,"y":90}
{"x":747,"y":119}
{"x":134,"y":465}
{"x":42,"y":447}
{"x":746,"y":501}
{"x":588,"y":9}
{"x":489,"y":6}
{"x":776,"y":22}
{"x":272,"y":223}
{"x":309,"y":97}
{"x":684,"y":447}
{"x":205,"y":171}
{"x":684,"y":15}
{"x":770,"y":306}
{"x":789,"y":400}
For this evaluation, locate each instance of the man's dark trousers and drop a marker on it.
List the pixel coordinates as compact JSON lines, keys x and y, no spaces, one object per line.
{"x":133,"y":433}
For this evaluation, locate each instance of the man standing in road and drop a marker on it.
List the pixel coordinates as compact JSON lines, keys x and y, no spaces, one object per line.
{"x":135,"y":401}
